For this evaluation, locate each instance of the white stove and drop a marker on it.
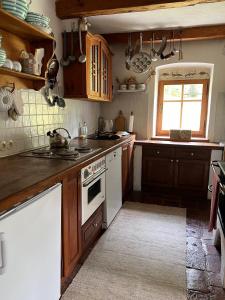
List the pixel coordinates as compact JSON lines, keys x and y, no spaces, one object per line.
{"x":74,"y":153}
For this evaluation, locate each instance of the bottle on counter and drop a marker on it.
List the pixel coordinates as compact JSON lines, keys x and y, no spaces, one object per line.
{"x":83,"y":131}
{"x":131,"y":123}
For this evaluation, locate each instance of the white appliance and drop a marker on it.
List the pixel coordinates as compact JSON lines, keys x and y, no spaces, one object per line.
{"x":30,"y":248}
{"x":93,"y":187}
{"x":113,"y":201}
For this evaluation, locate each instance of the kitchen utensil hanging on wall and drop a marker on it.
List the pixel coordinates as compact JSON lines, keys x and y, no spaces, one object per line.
{"x":52,"y":69}
{"x":153,"y":52}
{"x":181,"y":55}
{"x":72,"y":57}
{"x":82,"y":58}
{"x":64,"y":62}
{"x":129,"y":52}
{"x":140,"y":62}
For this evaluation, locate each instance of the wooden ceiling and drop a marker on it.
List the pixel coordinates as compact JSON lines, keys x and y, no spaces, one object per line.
{"x":66,"y":9}
{"x":187,"y":34}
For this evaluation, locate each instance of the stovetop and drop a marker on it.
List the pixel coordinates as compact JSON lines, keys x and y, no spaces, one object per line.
{"x":74,"y":153}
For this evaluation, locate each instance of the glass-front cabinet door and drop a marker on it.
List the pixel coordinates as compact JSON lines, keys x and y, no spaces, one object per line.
{"x":106,"y":73}
{"x":93,"y":67}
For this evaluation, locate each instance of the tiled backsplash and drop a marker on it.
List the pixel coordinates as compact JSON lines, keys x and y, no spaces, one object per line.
{"x":29,"y":131}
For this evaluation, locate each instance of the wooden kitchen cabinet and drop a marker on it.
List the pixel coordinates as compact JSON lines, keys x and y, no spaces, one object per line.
{"x":71,"y":225}
{"x":91,"y":80}
{"x":127,"y":167}
{"x":92,"y":229}
{"x":184,"y":169}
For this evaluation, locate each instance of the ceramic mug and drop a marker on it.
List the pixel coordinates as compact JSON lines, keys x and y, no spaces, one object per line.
{"x":17,"y":66}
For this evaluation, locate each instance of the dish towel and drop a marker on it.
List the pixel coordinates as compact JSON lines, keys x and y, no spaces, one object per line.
{"x":214,"y":202}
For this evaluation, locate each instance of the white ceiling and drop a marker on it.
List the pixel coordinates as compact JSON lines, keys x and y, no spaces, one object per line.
{"x":198,"y":15}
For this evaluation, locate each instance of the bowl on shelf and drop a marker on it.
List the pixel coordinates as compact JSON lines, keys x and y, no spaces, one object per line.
{"x":8,"y":64}
{"x":37,"y":19}
{"x":141,"y":86}
{"x":132,"y":87}
{"x":123,"y":87}
{"x":2,"y":57}
{"x":18,"y":8}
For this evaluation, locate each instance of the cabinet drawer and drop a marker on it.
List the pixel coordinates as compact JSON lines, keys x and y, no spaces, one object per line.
{"x":92,"y":227}
{"x":162,"y":152}
{"x":192,"y":153}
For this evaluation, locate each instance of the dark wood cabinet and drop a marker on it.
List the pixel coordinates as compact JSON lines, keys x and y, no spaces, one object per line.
{"x":71,"y":228}
{"x":127,"y":167}
{"x":91,"y":80}
{"x":184,"y":169}
{"x":92,"y":229}
{"x":158,"y":172}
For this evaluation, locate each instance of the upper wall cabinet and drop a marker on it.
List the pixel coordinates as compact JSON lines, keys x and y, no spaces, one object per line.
{"x":91,"y":80}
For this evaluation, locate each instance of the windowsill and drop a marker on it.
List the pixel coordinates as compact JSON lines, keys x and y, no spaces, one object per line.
{"x":167,"y":138}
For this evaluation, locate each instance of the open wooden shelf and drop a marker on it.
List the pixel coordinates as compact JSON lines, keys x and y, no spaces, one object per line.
{"x":131,"y":91}
{"x":9,"y":72}
{"x":21,"y":28}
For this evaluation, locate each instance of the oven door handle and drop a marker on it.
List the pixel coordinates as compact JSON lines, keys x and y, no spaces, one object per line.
{"x":89,"y":181}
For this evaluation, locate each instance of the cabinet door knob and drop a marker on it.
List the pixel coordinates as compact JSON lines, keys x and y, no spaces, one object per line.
{"x":192,"y":154}
{"x":171,"y":160}
{"x":158,"y":152}
{"x":177,"y":161}
{"x":96,"y":225}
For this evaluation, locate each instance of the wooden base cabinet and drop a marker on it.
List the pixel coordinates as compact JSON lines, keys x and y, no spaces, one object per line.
{"x":71,"y":228}
{"x":176,"y":168}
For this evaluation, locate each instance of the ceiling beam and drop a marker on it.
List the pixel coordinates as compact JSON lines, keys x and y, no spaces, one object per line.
{"x":187,"y":34}
{"x":66,"y":9}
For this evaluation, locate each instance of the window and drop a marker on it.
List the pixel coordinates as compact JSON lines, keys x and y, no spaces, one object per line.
{"x":182,"y":104}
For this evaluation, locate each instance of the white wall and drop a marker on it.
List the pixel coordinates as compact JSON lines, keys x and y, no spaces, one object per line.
{"x":142,"y":103}
{"x":29,"y":130}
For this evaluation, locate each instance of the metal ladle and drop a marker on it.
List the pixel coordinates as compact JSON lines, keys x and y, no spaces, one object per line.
{"x":82,"y":58}
{"x":64,"y":62}
{"x":72,"y":56}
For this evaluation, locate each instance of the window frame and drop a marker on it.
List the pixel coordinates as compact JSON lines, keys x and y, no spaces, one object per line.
{"x":204,"y":110}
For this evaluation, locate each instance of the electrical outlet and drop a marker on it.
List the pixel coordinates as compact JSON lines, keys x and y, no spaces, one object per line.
{"x":3,"y":145}
{"x":10,"y":144}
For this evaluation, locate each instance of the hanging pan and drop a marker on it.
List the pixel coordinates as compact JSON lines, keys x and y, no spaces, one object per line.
{"x":141,"y":61}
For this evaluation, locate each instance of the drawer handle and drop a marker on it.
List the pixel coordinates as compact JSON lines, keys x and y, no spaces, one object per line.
{"x":177,"y":161}
{"x":192,"y":154}
{"x":96,"y":225}
{"x":158,"y":152}
{"x":171,"y":160}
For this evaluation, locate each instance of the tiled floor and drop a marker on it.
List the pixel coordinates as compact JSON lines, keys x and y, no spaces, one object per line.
{"x":203,"y":259}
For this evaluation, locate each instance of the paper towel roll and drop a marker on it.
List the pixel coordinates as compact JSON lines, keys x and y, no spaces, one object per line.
{"x":131,"y":123}
{"x":6,"y":99}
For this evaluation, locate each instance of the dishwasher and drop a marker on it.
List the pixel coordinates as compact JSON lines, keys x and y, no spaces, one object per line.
{"x":113,"y":201}
{"x":30,"y":248}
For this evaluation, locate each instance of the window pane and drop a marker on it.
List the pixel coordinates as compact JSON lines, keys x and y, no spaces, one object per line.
{"x":191,"y":115}
{"x":193,"y":91}
{"x":172,"y":92}
{"x":171,"y":115}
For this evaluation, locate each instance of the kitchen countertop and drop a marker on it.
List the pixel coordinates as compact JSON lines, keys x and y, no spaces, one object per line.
{"x":22,"y":177}
{"x":205,"y":145}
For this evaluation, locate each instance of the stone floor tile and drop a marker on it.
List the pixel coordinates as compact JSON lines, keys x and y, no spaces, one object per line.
{"x":214,"y":279}
{"x":193,"y":295}
{"x":195,"y":254}
{"x":217,"y":293}
{"x":197,"y":280}
{"x":210,"y":249}
{"x":213,"y":263}
{"x":194,"y":231}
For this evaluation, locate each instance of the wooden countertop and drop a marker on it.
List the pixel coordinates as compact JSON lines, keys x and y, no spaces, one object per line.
{"x":205,"y":145}
{"x":24,"y":177}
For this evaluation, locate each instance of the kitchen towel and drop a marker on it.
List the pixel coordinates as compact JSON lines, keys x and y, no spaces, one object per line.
{"x":214,"y":202}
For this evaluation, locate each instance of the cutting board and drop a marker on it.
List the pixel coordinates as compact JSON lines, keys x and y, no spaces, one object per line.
{"x":120,"y":122}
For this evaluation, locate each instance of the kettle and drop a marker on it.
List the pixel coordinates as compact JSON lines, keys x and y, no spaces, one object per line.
{"x":56,"y":140}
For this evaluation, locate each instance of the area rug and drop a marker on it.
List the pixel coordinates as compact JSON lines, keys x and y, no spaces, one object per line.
{"x":141,"y":256}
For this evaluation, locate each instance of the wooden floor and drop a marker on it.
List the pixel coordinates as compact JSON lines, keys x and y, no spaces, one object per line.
{"x":203,"y":259}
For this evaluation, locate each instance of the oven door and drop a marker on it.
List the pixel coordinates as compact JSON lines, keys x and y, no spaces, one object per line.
{"x":93,"y":194}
